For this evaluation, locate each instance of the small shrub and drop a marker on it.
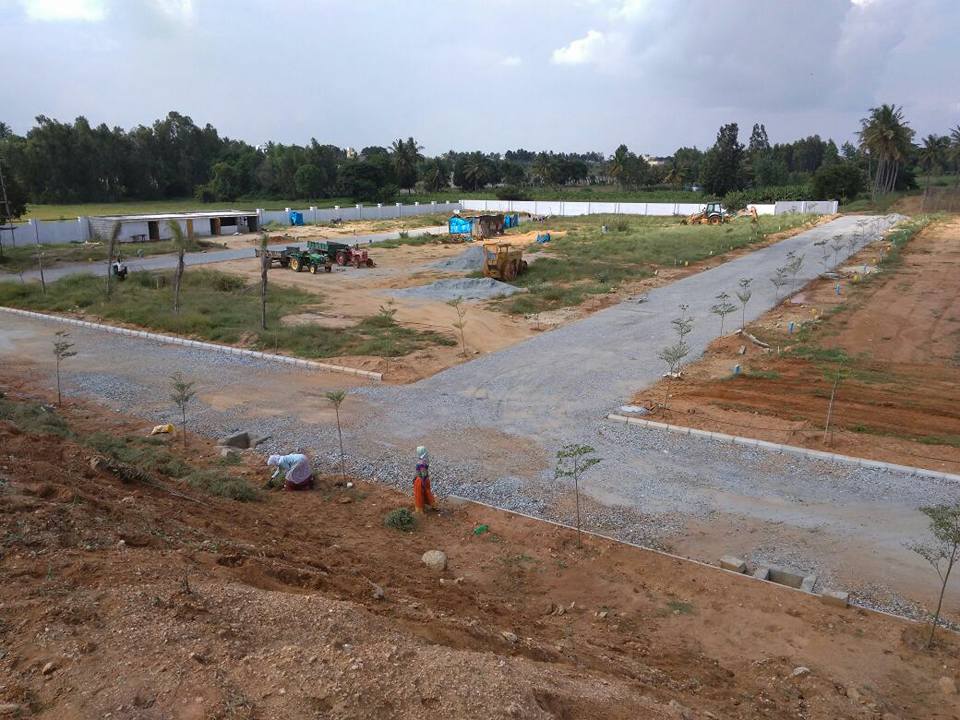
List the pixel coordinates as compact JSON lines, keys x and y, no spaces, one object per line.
{"x":400,"y":519}
{"x":214,"y":483}
{"x":227,"y":283}
{"x":33,"y":418}
{"x":145,"y":453}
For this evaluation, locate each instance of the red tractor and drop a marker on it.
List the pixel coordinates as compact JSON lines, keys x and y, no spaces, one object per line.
{"x":342,"y":253}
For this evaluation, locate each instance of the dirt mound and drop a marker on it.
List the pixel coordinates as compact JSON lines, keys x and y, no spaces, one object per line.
{"x":466,"y":288}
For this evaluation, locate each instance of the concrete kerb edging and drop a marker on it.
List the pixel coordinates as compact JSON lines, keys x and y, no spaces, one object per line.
{"x":790,"y":449}
{"x":173,"y":340}
{"x":681,"y":558}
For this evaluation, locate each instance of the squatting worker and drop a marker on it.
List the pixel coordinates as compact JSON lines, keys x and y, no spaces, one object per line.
{"x":422,"y":495}
{"x":297,"y":474}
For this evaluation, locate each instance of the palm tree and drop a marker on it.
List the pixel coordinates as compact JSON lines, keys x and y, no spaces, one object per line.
{"x":475,"y":171}
{"x":934,"y":153}
{"x":676,"y":174}
{"x":5,"y":131}
{"x":406,"y":155}
{"x":955,"y":151}
{"x":618,"y":164}
{"x":886,"y":137}
{"x":434,"y":175}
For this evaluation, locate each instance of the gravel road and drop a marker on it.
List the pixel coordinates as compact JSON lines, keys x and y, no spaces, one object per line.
{"x":168,"y":262}
{"x":493,"y":425}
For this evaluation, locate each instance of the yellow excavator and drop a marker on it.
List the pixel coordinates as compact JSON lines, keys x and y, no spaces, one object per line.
{"x":712,"y":214}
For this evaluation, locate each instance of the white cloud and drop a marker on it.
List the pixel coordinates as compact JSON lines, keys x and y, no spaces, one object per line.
{"x":181,"y":10}
{"x":635,"y":9}
{"x":587,"y":49}
{"x":511,"y":61}
{"x":59,"y":10}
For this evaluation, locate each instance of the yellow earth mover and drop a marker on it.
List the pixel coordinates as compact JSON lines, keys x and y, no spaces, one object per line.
{"x":502,"y":261}
{"x":713,"y":214}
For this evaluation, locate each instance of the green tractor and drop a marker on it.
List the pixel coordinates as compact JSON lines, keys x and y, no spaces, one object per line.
{"x":298,"y":260}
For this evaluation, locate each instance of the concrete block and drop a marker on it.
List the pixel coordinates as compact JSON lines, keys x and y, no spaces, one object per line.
{"x":837,"y":598}
{"x":784,"y":576}
{"x":762,"y":573}
{"x":808,"y":583}
{"x":728,"y":562}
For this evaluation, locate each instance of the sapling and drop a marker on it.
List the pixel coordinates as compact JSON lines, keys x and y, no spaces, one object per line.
{"x":111,"y":249}
{"x":779,"y":280}
{"x":43,"y":281}
{"x":264,"y":267}
{"x":457,"y":305}
{"x":743,"y":295}
{"x":723,"y":307}
{"x":836,"y":244}
{"x":182,"y":393}
{"x":673,"y":356}
{"x":824,"y":254}
{"x":180,"y":243}
{"x":336,"y":399}
{"x":572,"y":461}
{"x":62,"y":349}
{"x":944,"y":552}
{"x":794,"y":265}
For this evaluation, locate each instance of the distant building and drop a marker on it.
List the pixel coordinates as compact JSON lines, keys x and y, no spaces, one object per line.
{"x":351,"y":153}
{"x":655,"y":160}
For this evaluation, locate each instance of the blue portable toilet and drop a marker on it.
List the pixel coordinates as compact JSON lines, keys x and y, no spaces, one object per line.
{"x":296,"y":218}
{"x":459,"y":226}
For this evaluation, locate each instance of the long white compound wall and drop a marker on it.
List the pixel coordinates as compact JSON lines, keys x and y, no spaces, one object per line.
{"x":59,"y":232}
{"x":569,"y":208}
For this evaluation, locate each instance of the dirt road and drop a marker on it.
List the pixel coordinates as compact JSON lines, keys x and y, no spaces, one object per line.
{"x":494,"y":423}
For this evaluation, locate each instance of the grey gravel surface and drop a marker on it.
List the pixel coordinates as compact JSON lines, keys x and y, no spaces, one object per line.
{"x":553,"y":389}
{"x":168,"y":262}
{"x":466,"y":288}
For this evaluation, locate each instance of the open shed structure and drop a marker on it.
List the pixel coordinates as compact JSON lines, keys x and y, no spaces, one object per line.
{"x":142,"y":228}
{"x":481,"y":226}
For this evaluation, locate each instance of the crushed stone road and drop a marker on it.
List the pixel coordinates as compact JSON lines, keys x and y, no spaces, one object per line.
{"x":493,"y":425}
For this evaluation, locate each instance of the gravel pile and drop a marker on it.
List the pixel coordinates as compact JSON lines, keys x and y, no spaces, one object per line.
{"x":466,"y":288}
{"x":470,"y":259}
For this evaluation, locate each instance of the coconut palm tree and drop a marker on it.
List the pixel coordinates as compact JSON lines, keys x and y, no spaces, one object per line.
{"x":886,"y":138}
{"x":676,"y":174}
{"x":618,"y":164}
{"x":933,"y":154}
{"x":544,"y":169}
{"x":406,"y":155}
{"x":435,"y":175}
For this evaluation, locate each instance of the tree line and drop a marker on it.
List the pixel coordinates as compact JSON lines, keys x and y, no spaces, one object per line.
{"x":174,"y":158}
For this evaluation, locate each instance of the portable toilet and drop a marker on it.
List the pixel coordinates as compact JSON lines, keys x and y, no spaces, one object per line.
{"x":296,"y":218}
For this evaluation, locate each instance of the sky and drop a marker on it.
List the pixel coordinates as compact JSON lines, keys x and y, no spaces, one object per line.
{"x":567,"y":75}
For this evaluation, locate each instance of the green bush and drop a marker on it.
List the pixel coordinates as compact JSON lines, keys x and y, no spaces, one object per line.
{"x":400,"y":519}
{"x":148,"y":454}
{"x":509,"y":192}
{"x":739,"y":199}
{"x":843,"y":181}
{"x":214,"y":483}
{"x":228,"y":283}
{"x":33,"y":418}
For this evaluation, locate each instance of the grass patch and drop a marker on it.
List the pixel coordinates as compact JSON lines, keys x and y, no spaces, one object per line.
{"x":763,"y":374}
{"x":148,"y":454}
{"x":589,"y":262}
{"x":678,"y":607}
{"x":221,"y":308}
{"x":33,"y":418}
{"x":214,"y":482}
{"x":24,"y":257}
{"x":400,"y":519}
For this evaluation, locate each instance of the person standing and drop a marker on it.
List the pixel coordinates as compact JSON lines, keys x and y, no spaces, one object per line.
{"x":422,"y":494}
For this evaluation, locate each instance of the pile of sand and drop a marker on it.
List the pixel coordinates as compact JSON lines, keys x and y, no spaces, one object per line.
{"x":470,"y":259}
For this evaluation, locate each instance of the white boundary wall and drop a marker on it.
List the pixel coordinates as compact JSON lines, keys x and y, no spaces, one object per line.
{"x":61,"y":232}
{"x":567,"y":208}
{"x":313,"y":215}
